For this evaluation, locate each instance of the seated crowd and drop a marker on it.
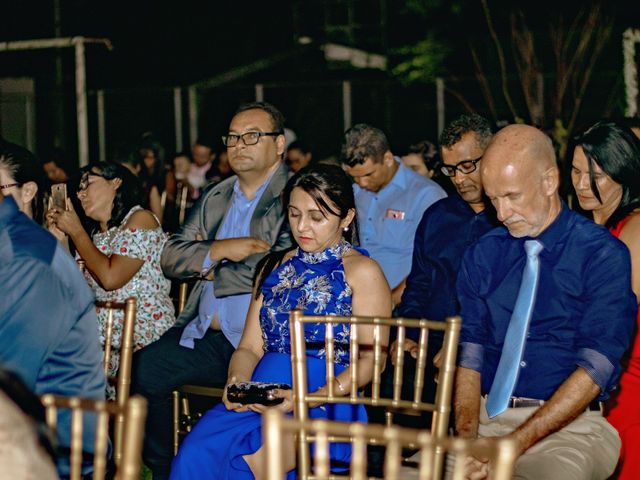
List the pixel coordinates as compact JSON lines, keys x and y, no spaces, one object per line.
{"x":548,"y":296}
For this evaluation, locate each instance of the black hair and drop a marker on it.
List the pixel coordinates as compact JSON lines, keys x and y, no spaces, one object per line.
{"x":277,"y":119}
{"x":466,"y":123}
{"x":428,"y":152}
{"x":299,"y":145}
{"x":332,"y":190}
{"x":128,"y":194}
{"x":62,"y":160}
{"x":202,"y":142}
{"x":362,"y":142}
{"x":156,"y":177}
{"x":14,"y":388}
{"x":23,"y":166}
{"x":616,"y":150}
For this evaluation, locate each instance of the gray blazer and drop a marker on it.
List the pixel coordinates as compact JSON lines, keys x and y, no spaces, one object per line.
{"x":183,"y":255}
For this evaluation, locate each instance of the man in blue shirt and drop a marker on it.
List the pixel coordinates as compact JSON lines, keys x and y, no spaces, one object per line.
{"x":390,"y":200}
{"x":571,"y":293}
{"x":48,"y":324}
{"x":446,"y":230}
{"x":233,"y":225}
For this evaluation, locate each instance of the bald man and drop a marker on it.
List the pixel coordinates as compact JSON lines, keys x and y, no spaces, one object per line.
{"x":547,"y":312}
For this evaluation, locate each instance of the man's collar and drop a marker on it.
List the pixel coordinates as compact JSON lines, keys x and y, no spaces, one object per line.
{"x":8,"y":209}
{"x":550,"y":236}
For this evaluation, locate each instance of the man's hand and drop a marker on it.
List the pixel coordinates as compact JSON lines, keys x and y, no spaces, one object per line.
{"x":236,"y":249}
{"x":408,"y":346}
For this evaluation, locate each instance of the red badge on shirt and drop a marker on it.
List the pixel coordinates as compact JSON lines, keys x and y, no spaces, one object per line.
{"x":397,"y":214}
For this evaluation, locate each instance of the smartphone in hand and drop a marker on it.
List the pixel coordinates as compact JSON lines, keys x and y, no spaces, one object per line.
{"x":59,"y":195}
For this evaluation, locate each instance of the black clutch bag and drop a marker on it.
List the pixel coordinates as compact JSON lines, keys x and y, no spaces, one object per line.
{"x":255,"y":392}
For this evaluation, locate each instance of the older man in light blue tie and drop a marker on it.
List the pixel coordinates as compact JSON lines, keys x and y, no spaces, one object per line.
{"x":547,"y":312}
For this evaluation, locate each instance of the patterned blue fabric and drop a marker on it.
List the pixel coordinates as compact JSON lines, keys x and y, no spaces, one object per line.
{"x":315,"y":283}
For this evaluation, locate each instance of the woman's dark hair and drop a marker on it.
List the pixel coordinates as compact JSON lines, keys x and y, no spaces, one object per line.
{"x":14,"y":388}
{"x":156,"y":176}
{"x":332,"y":190}
{"x":23,"y":166}
{"x":64,"y":161}
{"x":616,"y":150}
{"x":128,"y":194}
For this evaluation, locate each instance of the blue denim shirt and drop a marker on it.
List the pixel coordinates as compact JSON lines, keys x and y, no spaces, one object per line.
{"x":388,"y":219}
{"x":583,"y":316}
{"x":48,"y":324}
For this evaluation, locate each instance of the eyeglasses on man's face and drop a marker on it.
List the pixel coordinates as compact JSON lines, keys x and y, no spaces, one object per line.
{"x":248,"y":138}
{"x":465,"y":166}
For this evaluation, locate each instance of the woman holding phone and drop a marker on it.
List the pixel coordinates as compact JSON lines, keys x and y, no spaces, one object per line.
{"x":324,"y":275}
{"x":121,"y":247}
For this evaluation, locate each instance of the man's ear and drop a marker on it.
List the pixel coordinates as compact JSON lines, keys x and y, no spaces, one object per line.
{"x":28,"y":192}
{"x":551,"y":181}
{"x":388,"y":159}
{"x":280,"y":143}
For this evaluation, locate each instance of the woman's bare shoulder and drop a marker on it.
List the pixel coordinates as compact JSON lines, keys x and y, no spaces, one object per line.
{"x":360,"y":267}
{"x":143,"y":220}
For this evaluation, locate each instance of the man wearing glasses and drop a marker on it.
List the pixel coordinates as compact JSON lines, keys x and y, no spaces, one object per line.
{"x":390,"y":200}
{"x":234,"y":224}
{"x":447,"y":228}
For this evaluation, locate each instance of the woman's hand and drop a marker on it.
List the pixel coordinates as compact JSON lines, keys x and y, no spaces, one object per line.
{"x":236,"y":407}
{"x":285,"y":406}
{"x":65,"y":221}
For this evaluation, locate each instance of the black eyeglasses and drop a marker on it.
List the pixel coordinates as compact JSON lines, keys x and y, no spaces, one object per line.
{"x":249,"y":138}
{"x":9,"y":185}
{"x":465,"y":166}
{"x":84,"y":180}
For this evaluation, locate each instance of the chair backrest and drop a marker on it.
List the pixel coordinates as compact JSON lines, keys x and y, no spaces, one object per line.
{"x":441,"y":408}
{"x":133,"y":412}
{"x":277,"y":428}
{"x":123,"y":377}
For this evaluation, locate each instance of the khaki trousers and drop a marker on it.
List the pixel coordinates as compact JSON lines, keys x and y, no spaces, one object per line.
{"x":586,"y":449}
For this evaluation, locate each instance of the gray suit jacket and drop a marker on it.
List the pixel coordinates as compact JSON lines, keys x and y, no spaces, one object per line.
{"x":183,"y":255}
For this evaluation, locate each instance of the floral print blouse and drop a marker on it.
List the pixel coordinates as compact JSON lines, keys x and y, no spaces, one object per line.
{"x":155,"y":312}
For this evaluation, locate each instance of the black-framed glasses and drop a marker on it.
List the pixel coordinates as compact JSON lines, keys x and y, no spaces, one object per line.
{"x":249,"y":138}
{"x":465,"y":166}
{"x":9,"y":185}
{"x":84,"y":180}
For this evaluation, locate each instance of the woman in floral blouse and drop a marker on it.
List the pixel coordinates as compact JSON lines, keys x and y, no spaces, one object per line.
{"x":122,"y":255}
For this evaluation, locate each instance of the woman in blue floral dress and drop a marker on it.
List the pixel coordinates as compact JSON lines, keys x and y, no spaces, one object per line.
{"x":324,"y":275}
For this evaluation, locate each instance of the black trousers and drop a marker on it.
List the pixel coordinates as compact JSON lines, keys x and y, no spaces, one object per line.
{"x":163,"y":366}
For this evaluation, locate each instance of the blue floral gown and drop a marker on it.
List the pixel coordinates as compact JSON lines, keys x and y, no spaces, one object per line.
{"x":314,"y":283}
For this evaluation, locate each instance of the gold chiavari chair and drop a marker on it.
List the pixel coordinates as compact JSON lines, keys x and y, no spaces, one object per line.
{"x":395,"y":404}
{"x":183,"y":189}
{"x":133,"y":412}
{"x":278,"y":429}
{"x":123,"y":377}
{"x":183,"y":418}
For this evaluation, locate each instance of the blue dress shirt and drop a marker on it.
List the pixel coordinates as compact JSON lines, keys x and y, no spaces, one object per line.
{"x":583,"y":316}
{"x":388,"y":219}
{"x":231,"y":310}
{"x":48,"y":324}
{"x":446,"y":230}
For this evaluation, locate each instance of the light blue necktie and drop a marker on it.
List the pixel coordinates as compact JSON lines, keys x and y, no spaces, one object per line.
{"x":509,"y":366}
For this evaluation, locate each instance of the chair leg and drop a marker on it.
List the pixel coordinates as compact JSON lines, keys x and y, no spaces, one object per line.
{"x":176,"y":420}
